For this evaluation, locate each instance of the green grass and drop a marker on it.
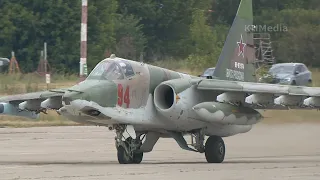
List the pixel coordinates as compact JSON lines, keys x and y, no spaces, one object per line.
{"x":23,"y":83}
{"x":13,"y":84}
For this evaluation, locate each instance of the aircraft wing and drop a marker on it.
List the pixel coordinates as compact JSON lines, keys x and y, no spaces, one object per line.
{"x":262,"y":95}
{"x":35,"y":101}
{"x":31,"y":96}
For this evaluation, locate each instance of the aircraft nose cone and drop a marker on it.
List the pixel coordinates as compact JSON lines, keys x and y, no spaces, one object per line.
{"x":103,"y":93}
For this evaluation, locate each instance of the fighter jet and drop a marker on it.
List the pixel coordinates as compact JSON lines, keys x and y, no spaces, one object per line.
{"x":142,"y":103}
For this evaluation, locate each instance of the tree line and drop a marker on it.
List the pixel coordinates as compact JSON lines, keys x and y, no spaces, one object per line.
{"x":189,"y":30}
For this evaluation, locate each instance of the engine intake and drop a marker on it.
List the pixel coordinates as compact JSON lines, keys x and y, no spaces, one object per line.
{"x":166,"y":93}
{"x":171,"y":100}
{"x":164,"y":96}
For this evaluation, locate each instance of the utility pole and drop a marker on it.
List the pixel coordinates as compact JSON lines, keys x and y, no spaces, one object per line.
{"x":45,"y":58}
{"x":47,"y":75}
{"x":83,"y":48}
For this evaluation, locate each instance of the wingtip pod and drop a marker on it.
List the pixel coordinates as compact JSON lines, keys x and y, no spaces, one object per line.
{"x":8,"y":109}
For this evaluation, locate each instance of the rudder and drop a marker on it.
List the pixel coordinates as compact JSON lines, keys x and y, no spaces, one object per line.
{"x":236,"y":61}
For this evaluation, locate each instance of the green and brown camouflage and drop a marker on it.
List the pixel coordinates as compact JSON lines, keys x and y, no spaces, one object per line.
{"x":236,"y":61}
{"x":121,"y":83}
{"x":94,"y":90}
{"x":216,"y":112}
{"x":121,"y":88}
{"x":141,"y":98}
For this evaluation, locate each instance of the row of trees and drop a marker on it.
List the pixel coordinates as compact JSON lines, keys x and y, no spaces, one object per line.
{"x":191,"y":30}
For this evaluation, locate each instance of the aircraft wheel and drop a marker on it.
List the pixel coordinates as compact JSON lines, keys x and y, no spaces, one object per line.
{"x":137,"y":158}
{"x":215,"y":149}
{"x":123,"y":156}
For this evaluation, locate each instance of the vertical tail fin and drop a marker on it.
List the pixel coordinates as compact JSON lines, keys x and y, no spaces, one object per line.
{"x":236,"y":61}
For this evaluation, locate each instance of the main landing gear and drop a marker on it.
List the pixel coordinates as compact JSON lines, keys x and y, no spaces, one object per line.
{"x":214,"y":148}
{"x":128,"y":148}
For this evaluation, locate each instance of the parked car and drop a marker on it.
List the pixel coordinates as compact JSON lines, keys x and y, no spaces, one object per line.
{"x":4,"y":62}
{"x":290,"y":74}
{"x":208,"y":73}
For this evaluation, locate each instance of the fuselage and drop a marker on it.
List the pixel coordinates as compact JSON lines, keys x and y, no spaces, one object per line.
{"x":117,"y":82}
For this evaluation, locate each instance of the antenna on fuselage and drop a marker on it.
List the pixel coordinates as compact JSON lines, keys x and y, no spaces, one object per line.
{"x":112,"y":56}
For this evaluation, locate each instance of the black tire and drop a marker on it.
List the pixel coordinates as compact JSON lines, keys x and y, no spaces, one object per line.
{"x":137,"y":158}
{"x":123,"y":157}
{"x":215,"y":149}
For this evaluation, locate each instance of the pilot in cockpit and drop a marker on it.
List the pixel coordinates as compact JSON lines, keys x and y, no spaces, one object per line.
{"x":113,"y":72}
{"x":106,"y":70}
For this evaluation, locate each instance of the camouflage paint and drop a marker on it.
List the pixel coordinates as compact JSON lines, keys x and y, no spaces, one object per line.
{"x":216,"y":112}
{"x":159,"y":75}
{"x":102,"y":92}
{"x":237,"y":55}
{"x":236,"y":61}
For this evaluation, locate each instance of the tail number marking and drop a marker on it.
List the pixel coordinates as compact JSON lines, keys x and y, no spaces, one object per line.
{"x":233,"y":74}
{"x":123,"y":98}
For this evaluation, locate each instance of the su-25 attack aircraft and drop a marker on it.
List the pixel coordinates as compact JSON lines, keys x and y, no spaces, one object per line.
{"x":150,"y":102}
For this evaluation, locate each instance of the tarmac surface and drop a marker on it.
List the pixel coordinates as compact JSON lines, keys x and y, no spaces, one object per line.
{"x":85,"y":153}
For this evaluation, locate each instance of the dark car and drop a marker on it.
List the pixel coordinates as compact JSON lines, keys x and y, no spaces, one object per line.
{"x":208,"y":73}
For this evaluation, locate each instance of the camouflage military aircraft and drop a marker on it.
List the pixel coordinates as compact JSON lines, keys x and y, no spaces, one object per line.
{"x":143,"y":103}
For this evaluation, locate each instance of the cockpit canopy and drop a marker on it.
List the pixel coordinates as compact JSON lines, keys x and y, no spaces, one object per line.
{"x":111,"y":70}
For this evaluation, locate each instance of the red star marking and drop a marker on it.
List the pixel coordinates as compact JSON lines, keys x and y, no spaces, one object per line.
{"x":241,"y":45}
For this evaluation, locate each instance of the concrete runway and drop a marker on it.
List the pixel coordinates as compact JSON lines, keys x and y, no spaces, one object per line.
{"x":83,"y":153}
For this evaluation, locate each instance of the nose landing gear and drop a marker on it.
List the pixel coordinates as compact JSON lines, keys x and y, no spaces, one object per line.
{"x":128,"y":149}
{"x":128,"y":152}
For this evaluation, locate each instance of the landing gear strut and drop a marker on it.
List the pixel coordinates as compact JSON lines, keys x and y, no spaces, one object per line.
{"x":197,"y":141}
{"x":215,"y":149}
{"x":128,"y":149}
